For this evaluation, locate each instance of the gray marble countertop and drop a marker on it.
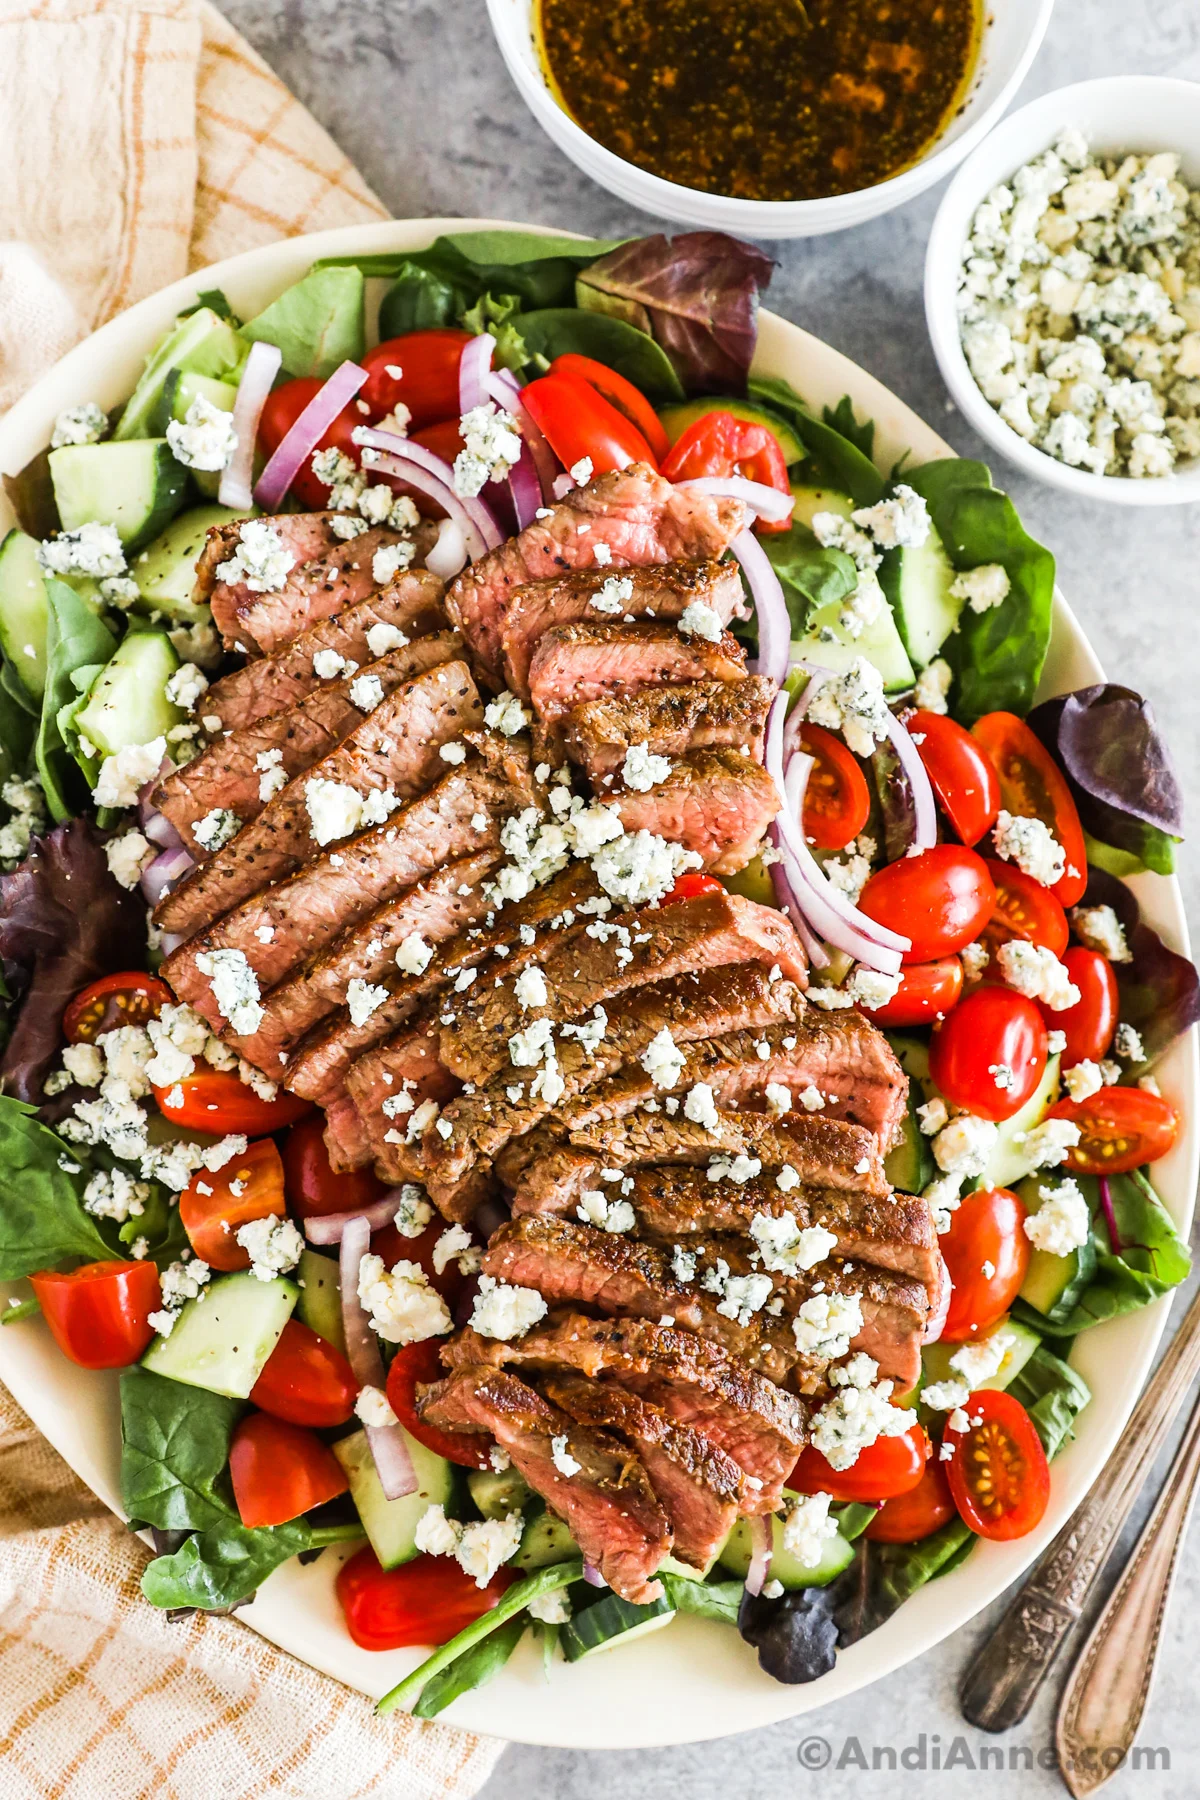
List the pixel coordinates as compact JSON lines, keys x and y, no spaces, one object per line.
{"x":415,"y":92}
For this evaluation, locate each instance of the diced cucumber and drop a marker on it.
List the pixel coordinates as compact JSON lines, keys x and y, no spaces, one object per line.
{"x":677,"y":419}
{"x":128,"y":704}
{"x":203,"y":343}
{"x":917,"y":582}
{"x":909,"y":1165}
{"x":165,"y":570}
{"x":812,"y":500}
{"x":497,"y":1493}
{"x":671,"y":1565}
{"x":221,"y":1340}
{"x":836,"y":1554}
{"x":1009,"y":1160}
{"x":180,"y":390}
{"x":545,"y":1540}
{"x":912,"y":1053}
{"x":935,"y":1358}
{"x":391,"y":1525}
{"x":612,"y":1621}
{"x":754,"y":881}
{"x":23,"y":611}
{"x":827,"y":641}
{"x":320,"y":1303}
{"x":1052,"y":1284}
{"x":137,"y":487}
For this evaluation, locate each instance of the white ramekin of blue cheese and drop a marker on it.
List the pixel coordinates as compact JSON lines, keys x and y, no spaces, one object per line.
{"x":1091,"y":188}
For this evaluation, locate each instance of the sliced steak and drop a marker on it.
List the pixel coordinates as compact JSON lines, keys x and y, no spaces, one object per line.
{"x":413,"y":1073}
{"x":411,"y":604}
{"x":240,"y":771}
{"x":306,"y":536}
{"x":893,"y":1231}
{"x":663,"y":591}
{"x":317,"y":589}
{"x":629,"y":517}
{"x":698,"y":1486}
{"x":756,"y":1423}
{"x":715,"y":802}
{"x":669,"y":720}
{"x":706,"y":933}
{"x":573,"y":664}
{"x":395,"y":750}
{"x":607,"y":1501}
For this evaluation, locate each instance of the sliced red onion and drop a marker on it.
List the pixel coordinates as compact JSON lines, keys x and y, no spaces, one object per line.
{"x":168,"y":868}
{"x":389,"y":1447}
{"x":258,"y":377}
{"x":503,"y":388}
{"x":761,"y":1547}
{"x":765,"y":502}
{"x":525,"y":488}
{"x":474,"y":368}
{"x":939,"y":1306}
{"x":464,"y":507}
{"x":449,"y":554}
{"x":924,"y":809}
{"x":788,"y":903}
{"x":328,"y":1228}
{"x":592,"y":1574}
{"x":774,"y":624}
{"x":159,"y":830}
{"x":145,"y":810}
{"x":304,"y":436}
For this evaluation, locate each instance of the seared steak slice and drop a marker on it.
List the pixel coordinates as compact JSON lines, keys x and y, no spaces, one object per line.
{"x":706,"y":933}
{"x":893,"y":1231}
{"x":633,"y":513}
{"x":413,"y":1073}
{"x":573,"y":664}
{"x":306,"y":535}
{"x":237,"y":769}
{"x":692,"y":715}
{"x":395,"y":749}
{"x":715,"y":802}
{"x":607,"y":1502}
{"x":661,"y":591}
{"x":335,"y":579}
{"x":699,"y":1486}
{"x":410,"y":604}
{"x":756,"y":1423}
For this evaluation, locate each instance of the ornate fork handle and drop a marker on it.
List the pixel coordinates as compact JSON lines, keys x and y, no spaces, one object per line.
{"x":1002,"y":1682}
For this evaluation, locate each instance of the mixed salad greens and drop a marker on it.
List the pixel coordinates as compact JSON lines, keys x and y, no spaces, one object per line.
{"x":929,"y":803}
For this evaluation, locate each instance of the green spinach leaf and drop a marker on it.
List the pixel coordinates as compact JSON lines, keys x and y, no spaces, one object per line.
{"x":174,"y":1453}
{"x":473,"y":1669}
{"x":420,"y":299}
{"x":707,"y":1599}
{"x":317,"y":323}
{"x":75,"y":637}
{"x":1053,"y":1395}
{"x":555,"y":331}
{"x":834,"y":460}
{"x":42,"y":1221}
{"x":222,"y":1565}
{"x":840,"y":418}
{"x":809,"y":575}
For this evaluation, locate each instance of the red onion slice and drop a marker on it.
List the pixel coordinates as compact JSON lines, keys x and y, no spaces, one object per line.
{"x":761,"y":1546}
{"x":389,"y":1446}
{"x":475,"y":365}
{"x":449,"y":554}
{"x":459,"y":506}
{"x":168,"y":867}
{"x":525,"y":488}
{"x":924,"y":809}
{"x":258,"y":378}
{"x":765,"y":502}
{"x":788,"y":903}
{"x":329,"y":1227}
{"x":304,"y":436}
{"x":592,"y":1575}
{"x":774,"y":624}
{"x":503,"y":388}
{"x":939,"y":1305}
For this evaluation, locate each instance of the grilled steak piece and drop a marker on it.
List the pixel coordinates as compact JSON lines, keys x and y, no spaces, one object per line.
{"x":240,"y":772}
{"x":715,"y":802}
{"x":756,"y":1423}
{"x":305,"y":536}
{"x":573,"y":664}
{"x":705,"y":933}
{"x":413,"y":1073}
{"x":698,"y":1486}
{"x":661,"y":591}
{"x":670,"y":720}
{"x":395,"y":750}
{"x":633,"y":513}
{"x":292,"y":920}
{"x":411,"y":604}
{"x":607,"y":1502}
{"x":332,"y":581}
{"x":893,"y":1231}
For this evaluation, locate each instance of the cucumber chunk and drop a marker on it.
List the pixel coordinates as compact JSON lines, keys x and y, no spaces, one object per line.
{"x":1009,"y":1160}
{"x":827,"y":641}
{"x":545,"y":1540}
{"x":909,"y":1165}
{"x":935,"y":1358}
{"x":1053,"y":1283}
{"x":180,"y":390}
{"x":222,"y":1340}
{"x":754,"y":881}
{"x":836,"y":1555}
{"x":128,"y":704}
{"x":912,"y":1053}
{"x":391,"y":1525}
{"x":677,"y":419}
{"x":610,"y":1622}
{"x":320,"y":1303}
{"x":136,"y":487}
{"x":917,"y":583}
{"x":165,"y":570}
{"x":23,"y":611}
{"x":812,"y":500}
{"x":203,"y":343}
{"x":497,"y":1493}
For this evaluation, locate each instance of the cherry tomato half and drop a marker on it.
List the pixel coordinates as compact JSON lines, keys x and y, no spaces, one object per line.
{"x":907,"y":1518}
{"x":993,"y":1031}
{"x":578,"y":422}
{"x":1092,"y":1022}
{"x":1033,"y":786}
{"x":309,"y":1182}
{"x":305,"y":1380}
{"x":416,"y":1365}
{"x":115,"y":1000}
{"x":998,"y":1475}
{"x":427,"y":383}
{"x":927,"y":992}
{"x":1120,"y":1129}
{"x":218,"y":1100}
{"x":1024,"y":909}
{"x":280,"y":1470}
{"x":940,"y":899}
{"x":691,"y":886}
{"x":836,"y":800}
{"x":722,"y":445}
{"x":99,"y":1315}
{"x":283,"y":407}
{"x":889,"y":1466}
{"x":987,"y":1231}
{"x":619,"y":393}
{"x":960,"y":771}
{"x":214,"y":1204}
{"x":426,"y":1601}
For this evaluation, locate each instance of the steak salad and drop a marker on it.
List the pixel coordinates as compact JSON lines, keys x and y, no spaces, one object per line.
{"x":566,"y":1014}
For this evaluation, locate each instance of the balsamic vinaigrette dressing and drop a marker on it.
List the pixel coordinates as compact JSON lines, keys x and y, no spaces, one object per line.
{"x":762,"y":99}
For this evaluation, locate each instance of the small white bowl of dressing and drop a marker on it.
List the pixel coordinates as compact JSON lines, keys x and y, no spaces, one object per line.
{"x":1011,"y":33}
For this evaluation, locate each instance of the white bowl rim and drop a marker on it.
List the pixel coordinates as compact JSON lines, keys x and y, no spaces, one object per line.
{"x":942,"y":260}
{"x":708,"y":1678}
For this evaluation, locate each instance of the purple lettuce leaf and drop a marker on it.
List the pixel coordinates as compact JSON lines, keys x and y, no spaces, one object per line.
{"x":1106,"y":740}
{"x":1159,"y":989}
